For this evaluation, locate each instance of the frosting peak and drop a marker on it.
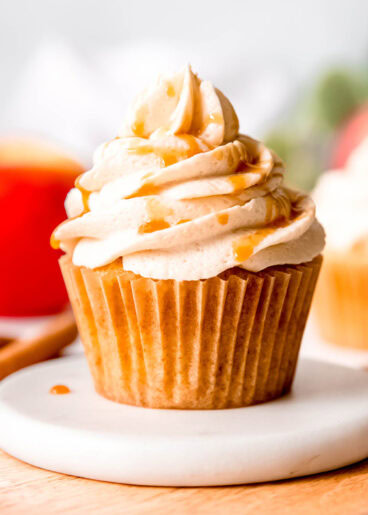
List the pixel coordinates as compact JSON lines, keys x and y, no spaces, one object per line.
{"x":183,"y":104}
{"x":180,"y":194}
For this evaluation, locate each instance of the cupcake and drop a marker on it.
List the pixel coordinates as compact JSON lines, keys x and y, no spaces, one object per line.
{"x":341,"y":304}
{"x":189,"y":265}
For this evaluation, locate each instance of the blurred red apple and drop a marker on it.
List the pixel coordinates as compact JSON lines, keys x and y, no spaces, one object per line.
{"x":350,"y":135}
{"x":34,"y":180}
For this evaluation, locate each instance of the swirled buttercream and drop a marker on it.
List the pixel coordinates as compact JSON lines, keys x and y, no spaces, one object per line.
{"x":180,"y":194}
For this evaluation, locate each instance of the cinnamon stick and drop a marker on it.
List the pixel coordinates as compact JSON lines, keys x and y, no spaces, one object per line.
{"x":4,"y":340}
{"x":21,"y":353}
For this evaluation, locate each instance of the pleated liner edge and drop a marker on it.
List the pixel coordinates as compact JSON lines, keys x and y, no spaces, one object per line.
{"x":229,"y":341}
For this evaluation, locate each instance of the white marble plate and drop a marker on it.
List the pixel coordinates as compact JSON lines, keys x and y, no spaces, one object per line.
{"x":322,"y":425}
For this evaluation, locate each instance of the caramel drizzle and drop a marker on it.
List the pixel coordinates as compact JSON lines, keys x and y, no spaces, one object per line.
{"x":243,"y":248}
{"x":158,"y":225}
{"x":85,"y":197}
{"x":145,"y":190}
{"x":153,"y":226}
{"x":138,"y":128}
{"x":222,"y":218}
{"x":170,"y":90}
{"x":240,"y":182}
{"x":211,"y":118}
{"x":215,"y":117}
{"x":168,"y":156}
{"x":54,"y":242}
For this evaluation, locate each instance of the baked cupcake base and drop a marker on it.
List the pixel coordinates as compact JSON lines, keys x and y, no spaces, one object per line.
{"x":341,"y":303}
{"x":229,"y":341}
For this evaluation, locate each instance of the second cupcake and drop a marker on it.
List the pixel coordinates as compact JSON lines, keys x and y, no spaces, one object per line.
{"x":341,"y":304}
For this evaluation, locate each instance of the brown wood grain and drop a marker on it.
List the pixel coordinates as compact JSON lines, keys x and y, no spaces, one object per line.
{"x":28,"y":490}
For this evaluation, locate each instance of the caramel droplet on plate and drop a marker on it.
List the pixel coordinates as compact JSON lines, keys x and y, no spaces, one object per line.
{"x":59,"y":389}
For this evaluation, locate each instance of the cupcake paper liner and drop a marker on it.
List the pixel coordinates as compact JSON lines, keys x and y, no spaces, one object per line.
{"x":341,"y":304}
{"x":229,"y":341}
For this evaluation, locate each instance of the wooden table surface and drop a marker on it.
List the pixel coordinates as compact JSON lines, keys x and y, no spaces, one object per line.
{"x":28,"y":490}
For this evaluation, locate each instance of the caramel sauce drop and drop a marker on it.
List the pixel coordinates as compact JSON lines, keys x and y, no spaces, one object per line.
{"x":170,"y":90}
{"x":158,"y":225}
{"x":85,"y":198}
{"x":142,"y":150}
{"x":145,"y":190}
{"x":85,"y":195}
{"x":54,"y":242}
{"x":153,"y":226}
{"x":155,"y":213}
{"x":59,"y":389}
{"x":219,"y":155}
{"x":167,"y":155}
{"x":222,"y":218}
{"x":214,"y":118}
{"x":243,"y":247}
{"x":208,"y":120}
{"x":170,"y":157}
{"x":238,"y":182}
{"x":193,"y":144}
{"x":138,"y":128}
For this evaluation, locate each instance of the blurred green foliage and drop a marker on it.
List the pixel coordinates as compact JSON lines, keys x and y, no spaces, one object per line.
{"x":304,"y":139}
{"x":336,"y":96}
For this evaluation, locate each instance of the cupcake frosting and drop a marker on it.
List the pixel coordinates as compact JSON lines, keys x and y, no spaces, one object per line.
{"x":180,"y":194}
{"x":342,"y":200}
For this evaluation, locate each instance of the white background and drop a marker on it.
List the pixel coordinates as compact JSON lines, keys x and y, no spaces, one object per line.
{"x":69,"y":67}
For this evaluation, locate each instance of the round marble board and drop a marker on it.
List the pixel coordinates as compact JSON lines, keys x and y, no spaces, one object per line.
{"x":321,"y":425}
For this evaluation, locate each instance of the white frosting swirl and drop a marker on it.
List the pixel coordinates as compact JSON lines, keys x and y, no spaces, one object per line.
{"x":342,"y":199}
{"x":179,"y":194}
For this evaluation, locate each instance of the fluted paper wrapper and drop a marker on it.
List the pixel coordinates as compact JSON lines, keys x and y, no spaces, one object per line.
{"x":228,"y":341}
{"x":341,"y":303}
